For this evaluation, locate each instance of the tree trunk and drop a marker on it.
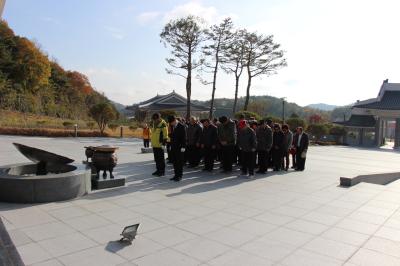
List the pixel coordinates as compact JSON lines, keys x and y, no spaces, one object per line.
{"x":189,"y":83}
{"x":188,"y":93}
{"x":236,"y":94}
{"x":213,"y":90}
{"x":246,"y":104}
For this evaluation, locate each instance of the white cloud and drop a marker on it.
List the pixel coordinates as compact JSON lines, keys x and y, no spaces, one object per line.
{"x":147,"y":17}
{"x":50,"y":20}
{"x":210,"y":14}
{"x":116,"y":33}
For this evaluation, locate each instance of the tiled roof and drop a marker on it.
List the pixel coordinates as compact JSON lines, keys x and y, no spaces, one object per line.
{"x":389,"y":101}
{"x":171,"y":101}
{"x":359,"y":121}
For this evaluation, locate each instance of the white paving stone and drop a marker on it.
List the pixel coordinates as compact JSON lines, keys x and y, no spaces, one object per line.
{"x":49,"y":230}
{"x":92,"y":256}
{"x":201,"y":249}
{"x":268,"y":249}
{"x":169,"y":236}
{"x":282,"y":219}
{"x":230,"y":236}
{"x":167,"y":257}
{"x":306,"y":258}
{"x":365,"y":257}
{"x":66,"y":244}
{"x":33,"y":253}
{"x":331,"y":248}
{"x":239,"y":258}
{"x":140,"y":247}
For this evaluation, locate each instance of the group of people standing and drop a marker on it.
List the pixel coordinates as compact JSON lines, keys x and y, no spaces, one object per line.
{"x":248,"y":143}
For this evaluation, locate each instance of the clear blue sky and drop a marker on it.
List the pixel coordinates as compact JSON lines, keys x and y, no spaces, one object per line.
{"x":337,"y":51}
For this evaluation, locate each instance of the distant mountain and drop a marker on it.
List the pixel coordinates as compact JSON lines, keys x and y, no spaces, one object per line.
{"x":122,"y":109}
{"x":322,"y":106}
{"x":265,"y":106}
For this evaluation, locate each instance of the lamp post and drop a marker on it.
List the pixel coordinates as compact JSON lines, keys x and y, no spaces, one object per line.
{"x":283,"y":109}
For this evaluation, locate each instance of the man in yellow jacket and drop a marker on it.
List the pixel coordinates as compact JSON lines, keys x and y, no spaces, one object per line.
{"x":159,"y":137}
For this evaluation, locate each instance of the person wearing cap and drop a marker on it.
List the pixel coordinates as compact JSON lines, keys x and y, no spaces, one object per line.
{"x":247,"y":142}
{"x":159,"y":138}
{"x":209,"y":139}
{"x":277,"y":147}
{"x":178,"y":145}
{"x":227,"y":139}
{"x":264,"y":144}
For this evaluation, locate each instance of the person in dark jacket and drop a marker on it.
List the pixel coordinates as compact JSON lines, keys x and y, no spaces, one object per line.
{"x":302,"y":142}
{"x":271,"y":125}
{"x":178,"y":145}
{"x":209,"y":140}
{"x":293,"y":149}
{"x":194,"y":131}
{"x":247,"y":142}
{"x":287,"y":144}
{"x":277,"y":147}
{"x":227,"y":139}
{"x":264,"y":144}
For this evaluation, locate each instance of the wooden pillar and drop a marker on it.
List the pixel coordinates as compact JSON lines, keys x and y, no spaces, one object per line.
{"x":361,"y":137}
{"x":378,"y":132}
{"x":397,"y":134}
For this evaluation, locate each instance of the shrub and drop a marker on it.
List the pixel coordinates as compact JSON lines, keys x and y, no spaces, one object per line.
{"x":133,"y":128}
{"x":41,"y":123}
{"x":113,"y":127}
{"x":165,"y":113}
{"x":90,"y":125}
{"x":295,"y":122}
{"x":67,"y":124}
{"x":103,"y":113}
{"x":47,"y":132}
{"x":318,"y":130}
{"x":273,"y":118}
{"x":337,"y":132}
{"x":247,"y":115}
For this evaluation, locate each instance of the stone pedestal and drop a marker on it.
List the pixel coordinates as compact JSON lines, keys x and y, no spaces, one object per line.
{"x":107,"y":183}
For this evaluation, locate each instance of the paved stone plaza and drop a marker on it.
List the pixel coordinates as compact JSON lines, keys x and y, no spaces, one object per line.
{"x":295,"y":218}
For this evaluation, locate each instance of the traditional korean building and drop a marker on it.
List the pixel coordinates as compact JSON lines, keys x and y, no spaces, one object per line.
{"x":368,"y":124}
{"x":171,"y":101}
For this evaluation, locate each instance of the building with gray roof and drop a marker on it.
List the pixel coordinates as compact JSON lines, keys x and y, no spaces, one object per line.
{"x":368,"y":123}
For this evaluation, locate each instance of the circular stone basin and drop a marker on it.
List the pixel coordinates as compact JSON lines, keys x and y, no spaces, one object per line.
{"x":20,"y":184}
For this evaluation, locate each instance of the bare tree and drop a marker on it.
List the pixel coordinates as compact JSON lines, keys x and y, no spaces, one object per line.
{"x":219,"y":37}
{"x":235,"y":63}
{"x":262,"y":57}
{"x":184,"y":36}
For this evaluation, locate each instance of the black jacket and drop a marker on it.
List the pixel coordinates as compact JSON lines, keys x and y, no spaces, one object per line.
{"x":227,"y":132}
{"x":193,"y":134}
{"x":247,"y":140}
{"x":209,"y":136}
{"x":178,"y":136}
{"x":303,"y":142}
{"x":264,"y":138}
{"x":278,"y":140}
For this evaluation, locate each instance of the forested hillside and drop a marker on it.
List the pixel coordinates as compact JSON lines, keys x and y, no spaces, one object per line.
{"x":32,"y":83}
{"x":266,"y":106}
